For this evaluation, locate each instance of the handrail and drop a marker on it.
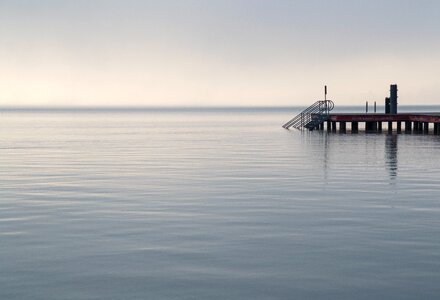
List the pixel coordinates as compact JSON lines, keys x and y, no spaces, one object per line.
{"x":314,"y":113}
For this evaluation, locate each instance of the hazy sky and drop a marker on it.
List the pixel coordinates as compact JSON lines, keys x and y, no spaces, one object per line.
{"x":222,"y":52}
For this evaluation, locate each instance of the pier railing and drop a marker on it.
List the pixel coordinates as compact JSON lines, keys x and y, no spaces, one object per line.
{"x":312,"y":116}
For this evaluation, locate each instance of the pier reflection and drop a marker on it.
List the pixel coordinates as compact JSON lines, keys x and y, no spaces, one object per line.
{"x":391,"y":153}
{"x":332,"y":153}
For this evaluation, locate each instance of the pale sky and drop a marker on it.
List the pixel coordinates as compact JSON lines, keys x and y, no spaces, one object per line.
{"x":217,"y":52}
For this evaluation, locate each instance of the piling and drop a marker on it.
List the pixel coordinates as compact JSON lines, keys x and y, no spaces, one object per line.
{"x":354,"y":127}
{"x":425,"y":127}
{"x":370,"y":126}
{"x":342,"y":127}
{"x":379,"y":126}
{"x":408,"y":126}
{"x":436,"y":128}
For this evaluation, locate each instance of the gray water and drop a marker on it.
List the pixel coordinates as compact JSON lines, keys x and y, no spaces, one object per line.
{"x":213,"y":204}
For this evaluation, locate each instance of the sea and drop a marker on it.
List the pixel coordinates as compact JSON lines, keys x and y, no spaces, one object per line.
{"x":213,"y":203}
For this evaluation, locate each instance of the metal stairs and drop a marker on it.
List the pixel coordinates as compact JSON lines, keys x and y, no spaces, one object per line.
{"x":313,"y":116}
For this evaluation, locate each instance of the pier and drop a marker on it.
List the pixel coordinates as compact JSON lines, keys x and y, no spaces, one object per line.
{"x":318,"y":117}
{"x":402,"y":122}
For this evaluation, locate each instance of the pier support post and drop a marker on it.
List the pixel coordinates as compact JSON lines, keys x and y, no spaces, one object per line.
{"x":436,"y":128}
{"x":425,"y":127}
{"x":416,"y":127}
{"x":354,"y":127}
{"x":321,"y":126}
{"x":342,"y":127}
{"x":399,"y":126}
{"x":379,"y":126}
{"x":333,"y":126}
{"x":390,"y":126}
{"x":370,"y":126}
{"x":408,"y":126}
{"x":329,"y":126}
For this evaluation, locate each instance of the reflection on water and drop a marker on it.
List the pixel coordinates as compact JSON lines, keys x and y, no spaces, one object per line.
{"x":348,"y":146}
{"x":391,"y":153}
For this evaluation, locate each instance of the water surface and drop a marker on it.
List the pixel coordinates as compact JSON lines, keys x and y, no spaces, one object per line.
{"x":213,"y":204}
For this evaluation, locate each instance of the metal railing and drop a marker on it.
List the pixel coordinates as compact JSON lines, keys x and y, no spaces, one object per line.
{"x":312,"y":116}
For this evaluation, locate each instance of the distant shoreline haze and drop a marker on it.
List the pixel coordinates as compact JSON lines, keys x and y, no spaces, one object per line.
{"x":360,"y":108}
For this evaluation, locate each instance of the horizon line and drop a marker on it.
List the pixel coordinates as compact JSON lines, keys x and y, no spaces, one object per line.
{"x":8,"y":107}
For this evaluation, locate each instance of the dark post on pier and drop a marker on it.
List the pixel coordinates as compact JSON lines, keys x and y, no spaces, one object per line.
{"x":318,"y":117}
{"x":393,"y":99}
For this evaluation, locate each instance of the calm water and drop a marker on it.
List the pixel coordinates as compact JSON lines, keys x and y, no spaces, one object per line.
{"x":213,"y":204}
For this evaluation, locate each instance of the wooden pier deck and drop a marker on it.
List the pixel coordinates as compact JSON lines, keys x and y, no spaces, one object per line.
{"x":377,"y":122}
{"x":318,"y":117}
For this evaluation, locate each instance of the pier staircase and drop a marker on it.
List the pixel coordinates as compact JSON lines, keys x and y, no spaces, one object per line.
{"x":311,"y":117}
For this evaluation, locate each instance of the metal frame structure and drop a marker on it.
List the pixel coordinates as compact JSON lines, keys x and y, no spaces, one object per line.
{"x":312,"y":116}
